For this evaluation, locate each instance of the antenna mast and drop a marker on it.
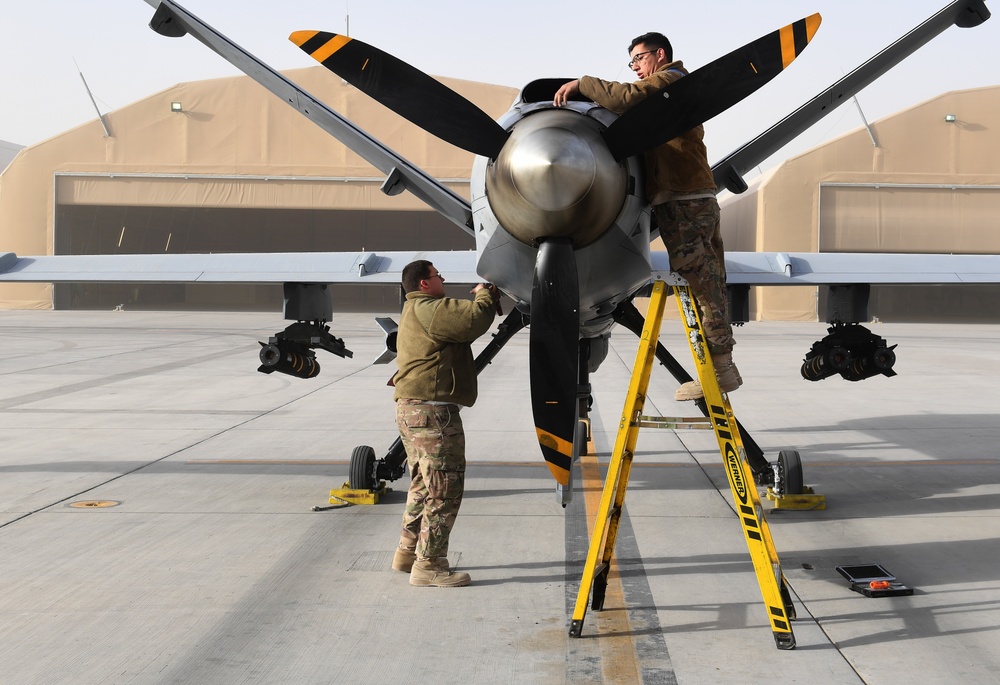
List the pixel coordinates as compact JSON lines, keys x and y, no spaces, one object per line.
{"x":107,"y":133}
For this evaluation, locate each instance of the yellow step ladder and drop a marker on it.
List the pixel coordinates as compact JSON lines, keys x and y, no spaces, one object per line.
{"x":777,"y":600}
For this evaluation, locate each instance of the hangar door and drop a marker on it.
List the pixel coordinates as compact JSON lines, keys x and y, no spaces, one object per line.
{"x":915,"y":218}
{"x":145,"y":217}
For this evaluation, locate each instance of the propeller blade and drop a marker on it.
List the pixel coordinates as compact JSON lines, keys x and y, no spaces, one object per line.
{"x":708,"y":91}
{"x":407,"y":91}
{"x":554,"y":352}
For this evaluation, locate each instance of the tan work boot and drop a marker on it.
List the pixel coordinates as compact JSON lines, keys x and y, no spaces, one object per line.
{"x":403,"y":559}
{"x":432,"y":573}
{"x":726,"y":373}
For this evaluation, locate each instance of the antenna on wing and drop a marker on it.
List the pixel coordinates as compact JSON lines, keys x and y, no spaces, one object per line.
{"x":107,"y":133}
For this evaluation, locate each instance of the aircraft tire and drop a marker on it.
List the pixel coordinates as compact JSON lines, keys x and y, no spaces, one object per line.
{"x":790,"y":470}
{"x":362,"y":471}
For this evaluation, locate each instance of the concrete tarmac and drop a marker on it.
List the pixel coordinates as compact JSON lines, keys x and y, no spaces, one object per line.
{"x":156,"y":521}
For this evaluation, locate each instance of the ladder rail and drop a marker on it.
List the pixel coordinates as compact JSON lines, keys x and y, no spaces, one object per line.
{"x":739,"y":474}
{"x":616,"y":482}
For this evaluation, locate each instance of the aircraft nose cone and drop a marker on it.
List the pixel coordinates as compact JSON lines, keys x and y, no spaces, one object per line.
{"x":555,"y":178}
{"x":552,"y":169}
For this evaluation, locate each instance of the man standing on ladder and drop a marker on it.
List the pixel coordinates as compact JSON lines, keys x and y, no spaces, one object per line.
{"x":681,"y":190}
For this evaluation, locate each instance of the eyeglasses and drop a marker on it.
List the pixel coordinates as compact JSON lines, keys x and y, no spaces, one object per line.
{"x":437,"y":275}
{"x":636,"y":56}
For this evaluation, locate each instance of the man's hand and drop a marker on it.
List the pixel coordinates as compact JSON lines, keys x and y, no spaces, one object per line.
{"x":565,"y":92}
{"x":494,"y":293}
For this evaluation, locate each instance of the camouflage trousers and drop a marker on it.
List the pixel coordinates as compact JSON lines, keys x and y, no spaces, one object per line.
{"x":691,"y":233}
{"x":435,"y":451}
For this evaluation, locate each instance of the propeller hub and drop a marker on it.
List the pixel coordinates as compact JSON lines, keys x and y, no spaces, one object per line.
{"x":555,"y":178}
{"x":552,"y":169}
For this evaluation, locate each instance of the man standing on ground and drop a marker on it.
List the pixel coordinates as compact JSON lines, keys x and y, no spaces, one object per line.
{"x":436,"y":378}
{"x":681,"y":190}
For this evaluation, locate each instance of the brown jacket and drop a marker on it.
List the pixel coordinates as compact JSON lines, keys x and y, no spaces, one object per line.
{"x":679,"y":166}
{"x":434,"y":347}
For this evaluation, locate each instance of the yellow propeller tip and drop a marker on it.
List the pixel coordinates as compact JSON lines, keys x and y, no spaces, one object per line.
{"x":300,"y":38}
{"x":812,"y":25}
{"x":561,"y":475}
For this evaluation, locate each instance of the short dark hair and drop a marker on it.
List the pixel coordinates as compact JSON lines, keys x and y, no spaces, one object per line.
{"x":654,"y":41}
{"x":414,"y":272}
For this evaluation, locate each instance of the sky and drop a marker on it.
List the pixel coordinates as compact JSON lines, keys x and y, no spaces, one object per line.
{"x":45,"y":42}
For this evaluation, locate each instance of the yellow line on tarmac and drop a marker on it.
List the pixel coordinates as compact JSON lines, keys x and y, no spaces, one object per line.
{"x":619,"y":658}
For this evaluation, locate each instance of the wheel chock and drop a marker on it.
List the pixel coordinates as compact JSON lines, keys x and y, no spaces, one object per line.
{"x":807,"y":500}
{"x":352,"y":496}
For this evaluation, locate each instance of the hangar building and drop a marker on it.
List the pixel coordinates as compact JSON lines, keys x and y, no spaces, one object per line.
{"x":224,"y":166}
{"x":923,"y":180}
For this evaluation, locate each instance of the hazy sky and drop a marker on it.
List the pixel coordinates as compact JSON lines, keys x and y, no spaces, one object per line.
{"x":508,"y":43}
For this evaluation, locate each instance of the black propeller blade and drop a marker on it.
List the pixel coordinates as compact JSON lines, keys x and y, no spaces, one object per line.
{"x":708,"y":91}
{"x":554,"y":352}
{"x":407,"y":91}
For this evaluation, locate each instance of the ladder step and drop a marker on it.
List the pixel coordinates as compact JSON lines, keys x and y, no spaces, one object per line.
{"x":693,"y":423}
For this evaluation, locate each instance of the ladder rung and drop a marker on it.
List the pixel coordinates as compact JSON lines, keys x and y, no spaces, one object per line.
{"x":683,"y":422}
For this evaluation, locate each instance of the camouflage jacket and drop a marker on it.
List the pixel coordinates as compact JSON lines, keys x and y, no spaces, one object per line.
{"x":434,"y":347}
{"x":679,"y":166}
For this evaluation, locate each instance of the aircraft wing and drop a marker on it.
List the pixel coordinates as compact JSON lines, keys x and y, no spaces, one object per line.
{"x":376,"y":268}
{"x":809,"y":268}
{"x":170,"y":19}
{"x":459,"y":266}
{"x":729,"y":170}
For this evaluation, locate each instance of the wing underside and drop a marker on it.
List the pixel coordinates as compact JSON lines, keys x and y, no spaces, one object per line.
{"x":364,"y":268}
{"x":845,"y":268}
{"x":381,"y":268}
